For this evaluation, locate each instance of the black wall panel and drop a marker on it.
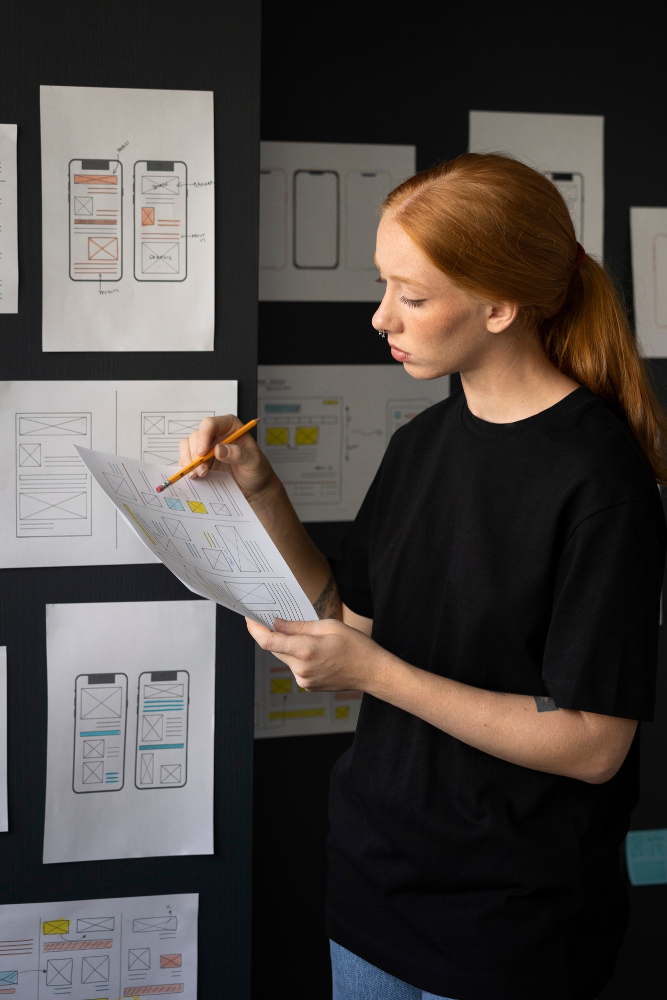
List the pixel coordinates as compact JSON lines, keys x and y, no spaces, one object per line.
{"x":201,"y":46}
{"x":371,"y":73}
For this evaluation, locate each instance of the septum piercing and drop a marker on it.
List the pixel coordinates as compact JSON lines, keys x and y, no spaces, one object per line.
{"x":383,"y":333}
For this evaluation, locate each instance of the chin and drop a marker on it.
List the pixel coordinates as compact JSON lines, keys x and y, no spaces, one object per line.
{"x":426,"y":372}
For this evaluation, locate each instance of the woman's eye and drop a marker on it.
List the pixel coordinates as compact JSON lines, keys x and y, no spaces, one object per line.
{"x":413,"y":303}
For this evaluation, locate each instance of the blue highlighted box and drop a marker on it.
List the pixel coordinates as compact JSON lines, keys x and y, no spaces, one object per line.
{"x":9,"y":978}
{"x":102,"y":732}
{"x":162,"y":746}
{"x":646,"y":857}
{"x":174,"y":503}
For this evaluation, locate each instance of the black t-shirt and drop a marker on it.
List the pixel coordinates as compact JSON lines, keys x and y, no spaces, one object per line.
{"x":526,"y":558}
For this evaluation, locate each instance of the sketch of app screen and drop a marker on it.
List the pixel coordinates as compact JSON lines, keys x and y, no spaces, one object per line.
{"x":162,"y":729}
{"x":272,"y":219}
{"x":401,"y":411}
{"x":660,"y":280}
{"x":316,"y":219}
{"x":364,"y":194}
{"x":160,"y":197}
{"x":95,"y":220}
{"x":571,"y":186}
{"x":100,"y":723}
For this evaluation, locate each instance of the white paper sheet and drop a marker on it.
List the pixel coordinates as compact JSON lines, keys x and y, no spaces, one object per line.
{"x":282,"y":708}
{"x":127,"y":219}
{"x":130,"y":775}
{"x":319,"y":212}
{"x":568,"y":148}
{"x":325,"y":429}
{"x":104,"y":948}
{"x":53,"y":514}
{"x":4,"y":820}
{"x":9,"y":260}
{"x":648,"y":228}
{"x":206,"y":533}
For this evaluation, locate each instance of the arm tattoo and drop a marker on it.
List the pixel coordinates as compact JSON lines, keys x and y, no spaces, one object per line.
{"x":545,"y":704}
{"x":328,"y":604}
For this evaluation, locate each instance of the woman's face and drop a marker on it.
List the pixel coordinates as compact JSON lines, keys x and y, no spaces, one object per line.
{"x":433,"y":327}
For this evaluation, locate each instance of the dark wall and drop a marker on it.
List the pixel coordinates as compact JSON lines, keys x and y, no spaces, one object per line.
{"x":364,"y":74}
{"x":122,"y":44}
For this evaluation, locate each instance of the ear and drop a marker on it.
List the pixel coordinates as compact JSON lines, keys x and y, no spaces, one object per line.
{"x":501,"y":315}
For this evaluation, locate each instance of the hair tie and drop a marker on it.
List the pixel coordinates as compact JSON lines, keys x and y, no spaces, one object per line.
{"x":581,"y":253}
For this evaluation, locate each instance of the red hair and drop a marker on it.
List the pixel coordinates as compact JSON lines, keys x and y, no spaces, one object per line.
{"x":502,"y":230}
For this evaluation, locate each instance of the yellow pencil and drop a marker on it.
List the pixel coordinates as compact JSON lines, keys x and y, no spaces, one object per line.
{"x":204,"y":458}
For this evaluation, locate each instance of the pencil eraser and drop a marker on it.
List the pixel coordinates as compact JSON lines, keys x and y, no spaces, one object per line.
{"x":159,"y":489}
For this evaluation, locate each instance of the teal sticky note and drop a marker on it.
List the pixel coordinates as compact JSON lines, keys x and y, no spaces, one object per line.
{"x":646,"y":857}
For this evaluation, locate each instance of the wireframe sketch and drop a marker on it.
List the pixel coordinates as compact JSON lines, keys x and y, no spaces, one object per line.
{"x":53,"y":487}
{"x":571,"y":186}
{"x":272,"y":219}
{"x":100,"y":723}
{"x":282,"y":708}
{"x":660,"y":280}
{"x":162,"y":430}
{"x":160,"y":220}
{"x":95,"y":220}
{"x":303,"y":438}
{"x":59,"y":972}
{"x":316,"y":207}
{"x":365,"y":190}
{"x":162,"y":729}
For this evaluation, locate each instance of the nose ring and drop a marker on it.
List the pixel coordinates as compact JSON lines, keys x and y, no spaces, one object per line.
{"x":383,"y":333}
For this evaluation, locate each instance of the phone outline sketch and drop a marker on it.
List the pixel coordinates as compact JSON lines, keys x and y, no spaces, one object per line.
{"x":159,"y":677}
{"x":166,"y":166}
{"x":351,"y":176}
{"x":568,"y":176}
{"x":94,"y":164}
{"x":295,"y":236}
{"x":659,"y":314}
{"x":117,"y":678}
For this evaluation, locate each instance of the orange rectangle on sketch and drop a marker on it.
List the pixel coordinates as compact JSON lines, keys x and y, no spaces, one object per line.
{"x":80,"y":944}
{"x":171,"y":961}
{"x":95,"y":178}
{"x":148,"y":217}
{"x":95,"y":222}
{"x":145,"y":991}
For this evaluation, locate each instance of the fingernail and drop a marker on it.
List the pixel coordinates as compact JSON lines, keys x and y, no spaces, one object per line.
{"x":201,"y":470}
{"x":223,"y":451}
{"x":201,"y":450}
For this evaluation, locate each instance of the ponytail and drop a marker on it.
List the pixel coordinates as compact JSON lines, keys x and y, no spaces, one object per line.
{"x":500,"y":229}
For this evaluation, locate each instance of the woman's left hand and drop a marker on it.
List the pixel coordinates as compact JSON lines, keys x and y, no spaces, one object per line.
{"x":323,"y":655}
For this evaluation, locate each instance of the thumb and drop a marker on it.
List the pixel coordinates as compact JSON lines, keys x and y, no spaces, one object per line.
{"x":293,"y":628}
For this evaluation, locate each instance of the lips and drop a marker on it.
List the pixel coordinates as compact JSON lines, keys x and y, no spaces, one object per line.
{"x":397,"y":354}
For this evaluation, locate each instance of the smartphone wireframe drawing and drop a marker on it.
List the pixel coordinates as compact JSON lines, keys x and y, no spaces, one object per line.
{"x":162,"y":729}
{"x":95,"y":194}
{"x":364,"y":193}
{"x":660,"y":280}
{"x":100,"y":725}
{"x":160,"y":200}
{"x":316,"y":209}
{"x":272,"y":219}
{"x":571,"y":186}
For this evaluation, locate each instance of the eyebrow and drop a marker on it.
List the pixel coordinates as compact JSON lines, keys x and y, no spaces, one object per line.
{"x":404,"y":281}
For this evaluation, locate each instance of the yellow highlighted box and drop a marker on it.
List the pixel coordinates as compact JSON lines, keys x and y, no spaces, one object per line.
{"x":307,"y":435}
{"x":342,"y":711}
{"x":55,"y":927}
{"x":277,"y":435}
{"x":197,"y":507}
{"x":297,"y":713}
{"x":281,"y":685}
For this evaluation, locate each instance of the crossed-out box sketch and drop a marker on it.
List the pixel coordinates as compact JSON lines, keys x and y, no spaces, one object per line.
{"x":160,"y":258}
{"x":86,"y":925}
{"x":59,"y":971}
{"x":143,"y":925}
{"x":103,"y":248}
{"x":95,"y":969}
{"x":101,"y":703}
{"x":139,"y":959}
{"x":9,"y":979}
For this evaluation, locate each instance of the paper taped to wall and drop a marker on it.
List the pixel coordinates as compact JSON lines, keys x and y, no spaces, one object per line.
{"x":143,"y":721}
{"x":9,"y":260}
{"x":648,"y":229}
{"x":206,"y":533}
{"x":4,"y":821}
{"x":108,"y":948}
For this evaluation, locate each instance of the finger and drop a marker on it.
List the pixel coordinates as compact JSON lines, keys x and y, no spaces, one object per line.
{"x":298,"y":647}
{"x":213,"y":429}
{"x":184,"y":452}
{"x":301,"y":628}
{"x":239,"y":454}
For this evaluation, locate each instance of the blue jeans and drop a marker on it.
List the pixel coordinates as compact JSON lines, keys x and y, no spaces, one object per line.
{"x":355,"y":979}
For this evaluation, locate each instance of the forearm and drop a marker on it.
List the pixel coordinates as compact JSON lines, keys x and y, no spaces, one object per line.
{"x":520,"y":729}
{"x":274,"y":509}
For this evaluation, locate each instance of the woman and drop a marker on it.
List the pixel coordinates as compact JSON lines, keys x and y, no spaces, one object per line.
{"x":497,"y":603}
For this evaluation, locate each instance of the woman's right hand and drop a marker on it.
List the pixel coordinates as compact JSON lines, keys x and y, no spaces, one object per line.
{"x":249,"y":466}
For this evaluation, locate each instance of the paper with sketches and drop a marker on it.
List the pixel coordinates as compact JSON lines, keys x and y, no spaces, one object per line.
{"x":206,"y":533}
{"x":9,"y":260}
{"x":143,"y":723}
{"x":648,"y":228}
{"x":325,"y":429}
{"x":646,"y":857}
{"x":282,"y":708}
{"x":4,"y":822}
{"x":569,"y":149}
{"x":54,"y":514}
{"x":127,"y":219}
{"x":129,"y":947}
{"x":319,"y":210}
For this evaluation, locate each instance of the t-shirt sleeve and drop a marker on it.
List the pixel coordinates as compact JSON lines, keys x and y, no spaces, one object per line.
{"x":602,"y":644}
{"x":352,"y":569}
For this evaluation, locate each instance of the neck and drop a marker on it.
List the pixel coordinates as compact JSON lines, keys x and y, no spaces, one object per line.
{"x":515,"y":382}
